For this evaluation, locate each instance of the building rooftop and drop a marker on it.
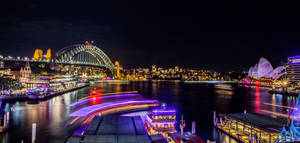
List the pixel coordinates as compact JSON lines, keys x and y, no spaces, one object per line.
{"x":114,"y":129}
{"x":260,"y":121}
{"x":116,"y":139}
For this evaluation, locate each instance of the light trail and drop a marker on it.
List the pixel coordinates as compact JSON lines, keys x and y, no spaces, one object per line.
{"x":88,"y":120}
{"x":125,"y":108}
{"x":116,"y":109}
{"x":91,"y":109}
{"x":81,"y":102}
{"x":279,"y":114}
{"x":124,"y":92}
{"x":74,"y":120}
{"x":280,"y":106}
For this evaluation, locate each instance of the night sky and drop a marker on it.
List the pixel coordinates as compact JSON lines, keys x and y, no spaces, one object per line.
{"x":218,"y":35}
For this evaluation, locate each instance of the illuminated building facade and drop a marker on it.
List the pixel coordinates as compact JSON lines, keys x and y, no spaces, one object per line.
{"x":153,"y":68}
{"x":264,"y":69}
{"x":1,"y":62}
{"x":175,"y":73}
{"x":293,"y":69}
{"x":25,"y":73}
{"x":161,"y":120}
{"x":1,"y":65}
{"x":38,"y":54}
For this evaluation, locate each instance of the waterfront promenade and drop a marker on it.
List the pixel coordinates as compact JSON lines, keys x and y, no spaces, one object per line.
{"x":52,"y":115}
{"x":24,"y":97}
{"x":245,"y":126}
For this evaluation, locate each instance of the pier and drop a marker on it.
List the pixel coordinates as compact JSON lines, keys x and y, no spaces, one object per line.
{"x":247,"y":127}
{"x":40,"y":97}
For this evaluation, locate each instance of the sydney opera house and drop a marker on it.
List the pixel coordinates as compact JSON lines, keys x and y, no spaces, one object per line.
{"x":264,"y":70}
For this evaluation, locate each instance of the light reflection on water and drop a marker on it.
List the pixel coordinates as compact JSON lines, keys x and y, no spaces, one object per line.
{"x":195,"y":101}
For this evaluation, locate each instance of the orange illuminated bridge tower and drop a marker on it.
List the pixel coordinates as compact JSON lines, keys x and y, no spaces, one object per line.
{"x":118,"y":69}
{"x":38,"y":55}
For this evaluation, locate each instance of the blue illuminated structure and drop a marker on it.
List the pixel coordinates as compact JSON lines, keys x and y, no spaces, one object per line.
{"x":291,"y":132}
{"x":294,"y":60}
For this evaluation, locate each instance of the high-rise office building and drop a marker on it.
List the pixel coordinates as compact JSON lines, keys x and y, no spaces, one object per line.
{"x":293,"y":69}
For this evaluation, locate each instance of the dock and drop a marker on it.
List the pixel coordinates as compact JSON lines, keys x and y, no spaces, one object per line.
{"x":41,"y":97}
{"x":245,"y":127}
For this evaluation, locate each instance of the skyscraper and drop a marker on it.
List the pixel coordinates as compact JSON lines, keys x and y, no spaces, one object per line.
{"x":293,"y":69}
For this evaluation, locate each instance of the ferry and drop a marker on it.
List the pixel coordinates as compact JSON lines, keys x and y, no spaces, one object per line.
{"x":162,"y":121}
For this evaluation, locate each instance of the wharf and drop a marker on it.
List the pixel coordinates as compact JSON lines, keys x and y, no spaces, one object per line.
{"x":114,"y":129}
{"x":244,"y":127}
{"x":44,"y":97}
{"x":286,"y":93}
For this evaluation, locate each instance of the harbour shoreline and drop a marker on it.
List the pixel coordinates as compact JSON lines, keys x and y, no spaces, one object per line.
{"x":40,"y":97}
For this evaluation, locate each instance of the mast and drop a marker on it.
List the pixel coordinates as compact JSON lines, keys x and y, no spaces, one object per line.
{"x":182,"y":124}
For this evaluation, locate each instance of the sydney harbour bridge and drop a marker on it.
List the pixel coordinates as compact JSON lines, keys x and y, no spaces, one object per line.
{"x":78,"y":55}
{"x":83,"y":54}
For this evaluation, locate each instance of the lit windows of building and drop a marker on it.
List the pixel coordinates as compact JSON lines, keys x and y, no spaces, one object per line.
{"x":1,"y":62}
{"x":293,"y":69}
{"x":154,"y":68}
{"x":176,"y":69}
{"x":161,"y":120}
{"x":25,"y":73}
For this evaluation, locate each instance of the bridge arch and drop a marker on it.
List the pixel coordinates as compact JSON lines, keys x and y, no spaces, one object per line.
{"x":83,"y":55}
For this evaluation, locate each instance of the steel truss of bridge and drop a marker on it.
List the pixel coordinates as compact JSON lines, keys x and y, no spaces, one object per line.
{"x":79,"y":54}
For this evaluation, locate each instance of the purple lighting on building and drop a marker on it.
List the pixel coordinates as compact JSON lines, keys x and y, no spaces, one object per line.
{"x":81,"y":102}
{"x":295,"y":60}
{"x":161,"y":122}
{"x":164,"y":111}
{"x":91,"y":109}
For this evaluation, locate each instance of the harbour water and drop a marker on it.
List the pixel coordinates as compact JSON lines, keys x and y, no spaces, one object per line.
{"x":196,"y":101}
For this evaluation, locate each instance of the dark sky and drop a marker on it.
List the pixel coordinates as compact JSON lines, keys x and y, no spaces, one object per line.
{"x":219,"y":35}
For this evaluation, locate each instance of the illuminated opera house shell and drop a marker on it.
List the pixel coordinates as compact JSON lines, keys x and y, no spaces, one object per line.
{"x":264,"y":69}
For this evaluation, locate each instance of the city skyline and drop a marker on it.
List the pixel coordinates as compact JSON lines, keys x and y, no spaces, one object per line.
{"x":149,"y":71}
{"x":145,"y":33}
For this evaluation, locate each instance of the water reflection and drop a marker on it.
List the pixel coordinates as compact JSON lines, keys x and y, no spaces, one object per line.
{"x":257,"y":100}
{"x":195,"y":101}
